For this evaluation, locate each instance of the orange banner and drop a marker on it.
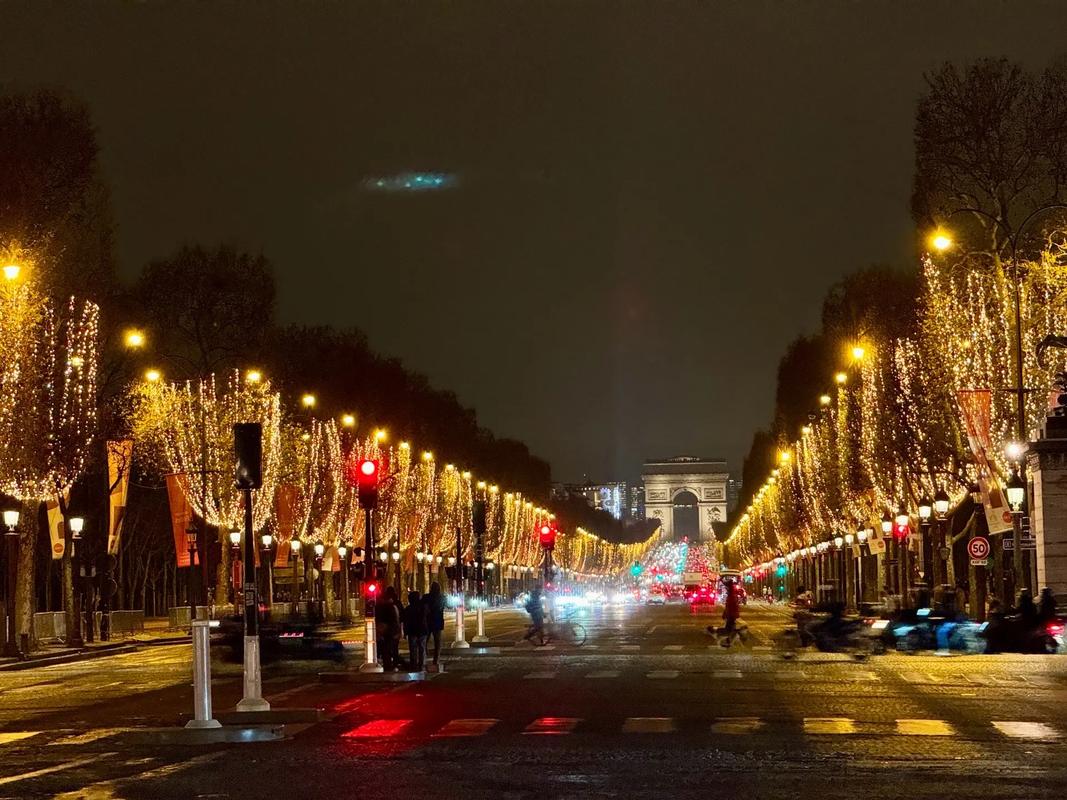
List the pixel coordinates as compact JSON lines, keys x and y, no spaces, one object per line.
{"x":55,"y":528}
{"x":285,"y":499}
{"x":181,"y":513}
{"x":119,"y":460}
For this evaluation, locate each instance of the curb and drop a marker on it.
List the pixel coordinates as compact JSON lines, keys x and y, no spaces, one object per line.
{"x":101,"y":651}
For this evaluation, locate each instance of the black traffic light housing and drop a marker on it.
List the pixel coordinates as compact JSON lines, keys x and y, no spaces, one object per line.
{"x":367,"y":476}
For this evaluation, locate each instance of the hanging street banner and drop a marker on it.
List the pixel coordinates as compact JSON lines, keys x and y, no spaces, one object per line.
{"x":119,"y":460}
{"x":181,"y":513}
{"x":976,"y":408}
{"x":285,"y":499}
{"x":55,"y":528}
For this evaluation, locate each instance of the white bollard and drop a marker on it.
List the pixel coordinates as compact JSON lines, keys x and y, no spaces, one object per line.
{"x":480,"y":637}
{"x":370,"y":647}
{"x":461,"y":629}
{"x":202,"y":717}
{"x":253,"y":682}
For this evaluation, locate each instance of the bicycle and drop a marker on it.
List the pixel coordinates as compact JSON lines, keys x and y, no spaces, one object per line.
{"x":566,"y":631}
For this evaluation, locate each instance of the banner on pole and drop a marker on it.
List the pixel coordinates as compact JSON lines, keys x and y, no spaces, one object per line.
{"x":285,"y":499}
{"x":976,"y":408}
{"x":55,"y":528}
{"x":119,"y":460}
{"x":181,"y":514}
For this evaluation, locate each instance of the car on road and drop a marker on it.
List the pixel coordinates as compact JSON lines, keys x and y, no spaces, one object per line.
{"x":700,"y":596}
{"x":656,"y":599}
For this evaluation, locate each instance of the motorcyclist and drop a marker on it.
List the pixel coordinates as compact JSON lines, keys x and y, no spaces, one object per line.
{"x":1046,"y":607}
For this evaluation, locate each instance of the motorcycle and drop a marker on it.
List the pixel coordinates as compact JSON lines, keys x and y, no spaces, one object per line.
{"x":1017,"y":634}
{"x":913,"y":630}
{"x":828,"y":632}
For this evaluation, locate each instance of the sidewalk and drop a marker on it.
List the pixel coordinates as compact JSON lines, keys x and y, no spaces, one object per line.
{"x":156,"y":632}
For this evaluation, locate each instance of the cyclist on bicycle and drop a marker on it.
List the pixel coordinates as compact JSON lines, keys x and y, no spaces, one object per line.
{"x":537,"y":616}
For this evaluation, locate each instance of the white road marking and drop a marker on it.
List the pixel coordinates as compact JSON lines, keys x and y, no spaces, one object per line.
{"x":1027,"y":730}
{"x":657,"y":674}
{"x":828,"y":725}
{"x":477,"y":676}
{"x":552,"y":726}
{"x":720,"y":674}
{"x":465,"y":727}
{"x":25,"y":776}
{"x":88,"y":736}
{"x":648,"y":725}
{"x":540,"y":676}
{"x":604,"y":673}
{"x":736,"y":725}
{"x":673,"y":647}
{"x":16,"y":736}
{"x":924,"y":727}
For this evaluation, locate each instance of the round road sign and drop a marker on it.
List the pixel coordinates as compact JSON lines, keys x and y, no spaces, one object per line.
{"x":978,"y":547}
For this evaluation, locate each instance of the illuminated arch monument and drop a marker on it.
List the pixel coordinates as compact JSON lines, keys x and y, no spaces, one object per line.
{"x":687,"y":496}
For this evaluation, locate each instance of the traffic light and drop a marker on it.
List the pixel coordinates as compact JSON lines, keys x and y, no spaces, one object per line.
{"x":635,"y":570}
{"x":370,"y":595}
{"x":367,"y":483}
{"x":547,"y":533}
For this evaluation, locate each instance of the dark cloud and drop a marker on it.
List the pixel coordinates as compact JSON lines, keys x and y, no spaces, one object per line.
{"x":652,"y":197}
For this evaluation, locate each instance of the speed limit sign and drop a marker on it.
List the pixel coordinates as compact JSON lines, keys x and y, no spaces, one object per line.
{"x":978,"y":548}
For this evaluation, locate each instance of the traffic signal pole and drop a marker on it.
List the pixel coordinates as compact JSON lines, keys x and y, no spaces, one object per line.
{"x":370,"y":633}
{"x":248,"y":451}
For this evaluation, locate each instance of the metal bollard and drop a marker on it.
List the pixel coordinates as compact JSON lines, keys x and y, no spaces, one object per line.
{"x":461,"y":629}
{"x":370,"y":648}
{"x":202,"y":717}
{"x":480,"y":637}
{"x":253,"y":679}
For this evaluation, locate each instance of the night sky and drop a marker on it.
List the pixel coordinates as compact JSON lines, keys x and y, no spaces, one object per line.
{"x":644,"y":201}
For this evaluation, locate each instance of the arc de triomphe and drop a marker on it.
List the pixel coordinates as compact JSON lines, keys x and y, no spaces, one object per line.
{"x":675,"y":488}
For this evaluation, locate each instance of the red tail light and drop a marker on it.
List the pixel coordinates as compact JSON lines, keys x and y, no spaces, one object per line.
{"x":1055,"y":628}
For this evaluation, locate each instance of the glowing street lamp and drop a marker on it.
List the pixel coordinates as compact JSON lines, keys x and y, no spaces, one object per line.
{"x":308,"y":400}
{"x":941,"y":241}
{"x":153,"y":375}
{"x":1016,"y":491}
{"x":12,"y":271}
{"x":134,"y":339}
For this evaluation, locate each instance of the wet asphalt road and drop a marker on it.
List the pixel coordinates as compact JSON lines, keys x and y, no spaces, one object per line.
{"x":650,"y":707}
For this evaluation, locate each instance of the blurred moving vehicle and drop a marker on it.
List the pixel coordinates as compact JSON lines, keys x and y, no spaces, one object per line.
{"x":826,"y":629}
{"x":656,"y":599}
{"x":912,"y":630}
{"x":700,"y":597}
{"x":1018,"y":633}
{"x":279,"y":640}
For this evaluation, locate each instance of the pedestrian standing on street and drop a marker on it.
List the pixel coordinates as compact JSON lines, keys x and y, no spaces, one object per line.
{"x":435,"y":611}
{"x":416,"y":626}
{"x":387,"y":624}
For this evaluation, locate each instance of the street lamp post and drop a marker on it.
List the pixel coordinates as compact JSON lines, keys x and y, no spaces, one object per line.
{"x":235,"y":569}
{"x":294,"y":592}
{"x":267,"y":563}
{"x":191,"y":584}
{"x":926,"y":510}
{"x":903,"y":533}
{"x":76,"y":525}
{"x":976,"y":574}
{"x":944,"y":568}
{"x":319,"y":583}
{"x":1016,"y":491}
{"x":850,"y":575}
{"x":342,"y":553}
{"x":11,"y":545}
{"x":887,"y":559}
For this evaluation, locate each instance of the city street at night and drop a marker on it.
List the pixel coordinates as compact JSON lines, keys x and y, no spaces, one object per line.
{"x":649,"y":704}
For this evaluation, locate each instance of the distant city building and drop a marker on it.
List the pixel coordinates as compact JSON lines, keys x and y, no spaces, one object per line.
{"x":733,"y":494}
{"x":637,"y":501}
{"x":614,"y":498}
{"x":687,"y":496}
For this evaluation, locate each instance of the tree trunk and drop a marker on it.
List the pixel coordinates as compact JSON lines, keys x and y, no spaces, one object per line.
{"x":24,"y":584}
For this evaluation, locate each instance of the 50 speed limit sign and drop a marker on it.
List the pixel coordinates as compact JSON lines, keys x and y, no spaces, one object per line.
{"x":978,"y":549}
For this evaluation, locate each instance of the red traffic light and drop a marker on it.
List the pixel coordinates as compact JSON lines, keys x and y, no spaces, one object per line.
{"x":368,"y":468}
{"x":367,"y":475}
{"x":372,"y":589}
{"x":547,"y":535}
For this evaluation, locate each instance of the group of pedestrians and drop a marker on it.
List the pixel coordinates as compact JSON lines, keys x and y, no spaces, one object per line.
{"x":422,"y":619}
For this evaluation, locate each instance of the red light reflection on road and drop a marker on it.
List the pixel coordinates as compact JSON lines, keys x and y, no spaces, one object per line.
{"x":377,"y":728}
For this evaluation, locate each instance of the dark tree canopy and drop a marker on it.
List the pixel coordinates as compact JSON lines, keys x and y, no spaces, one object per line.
{"x":210,"y":310}
{"x":53,"y":204}
{"x":993,"y":137}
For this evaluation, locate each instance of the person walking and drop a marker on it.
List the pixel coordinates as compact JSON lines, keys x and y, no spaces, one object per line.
{"x":416,"y":620}
{"x":435,"y":618}
{"x":387,"y":624}
{"x":536,"y":611}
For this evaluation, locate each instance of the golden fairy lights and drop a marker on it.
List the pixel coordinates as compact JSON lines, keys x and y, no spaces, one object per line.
{"x":421,"y":507}
{"x":892,"y":430}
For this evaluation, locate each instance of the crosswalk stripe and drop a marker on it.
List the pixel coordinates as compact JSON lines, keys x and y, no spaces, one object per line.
{"x":540,"y":676}
{"x":88,"y":736}
{"x":1027,"y":730}
{"x":477,"y":676}
{"x":829,"y":725}
{"x":7,"y":737}
{"x":604,"y":673}
{"x":790,"y":675}
{"x":924,"y":727}
{"x":720,"y":674}
{"x":630,"y":648}
{"x":736,"y":725}
{"x":465,"y":727}
{"x":377,"y":728}
{"x":648,"y":725}
{"x":552,"y":726}
{"x":662,"y":674}
{"x":672,"y":647}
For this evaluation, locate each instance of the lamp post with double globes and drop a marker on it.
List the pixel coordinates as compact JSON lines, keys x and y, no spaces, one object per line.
{"x":267,"y":564}
{"x":342,"y":553}
{"x":235,"y":570}
{"x":888,"y":540}
{"x":944,"y":568}
{"x":11,"y":556}
{"x":294,"y":590}
{"x":926,"y":510}
{"x":903,"y":535}
{"x":1016,"y":491}
{"x":74,"y":619}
